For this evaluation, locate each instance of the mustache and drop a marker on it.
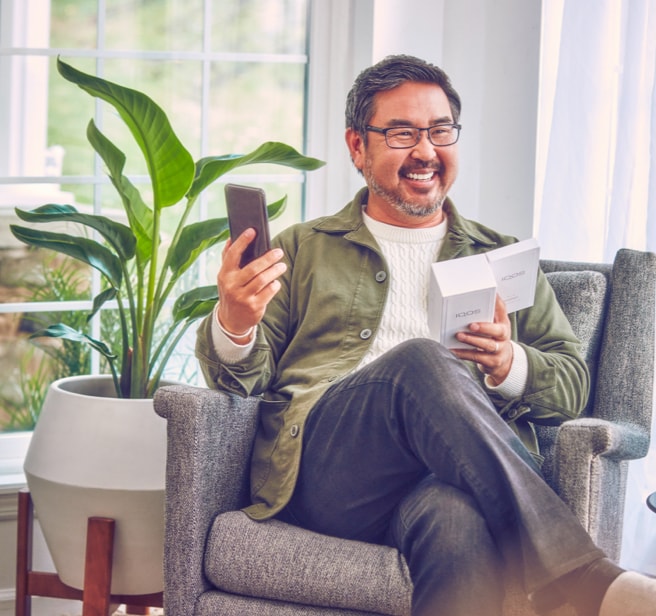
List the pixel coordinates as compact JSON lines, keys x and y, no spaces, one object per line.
{"x":422,"y":168}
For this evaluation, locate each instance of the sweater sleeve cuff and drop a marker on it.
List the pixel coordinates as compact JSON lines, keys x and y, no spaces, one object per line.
{"x":228,"y":351}
{"x":515,"y":383}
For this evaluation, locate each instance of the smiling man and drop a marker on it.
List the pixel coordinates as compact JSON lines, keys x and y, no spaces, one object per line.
{"x":369,"y":430}
{"x":408,"y":176}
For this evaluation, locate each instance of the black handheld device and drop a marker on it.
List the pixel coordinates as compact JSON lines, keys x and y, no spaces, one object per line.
{"x":246,"y":206}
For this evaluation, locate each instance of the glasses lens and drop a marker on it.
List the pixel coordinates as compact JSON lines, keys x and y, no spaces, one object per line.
{"x":404,"y":137}
{"x":443,"y":134}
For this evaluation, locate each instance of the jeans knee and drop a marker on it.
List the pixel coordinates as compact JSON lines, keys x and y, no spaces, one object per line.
{"x":422,"y":348}
{"x":440,"y":518}
{"x":418,"y":356}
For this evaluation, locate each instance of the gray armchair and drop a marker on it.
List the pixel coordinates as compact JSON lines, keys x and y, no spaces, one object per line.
{"x":219,"y":562}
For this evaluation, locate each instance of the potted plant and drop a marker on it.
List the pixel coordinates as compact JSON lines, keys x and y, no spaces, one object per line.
{"x":139,"y":274}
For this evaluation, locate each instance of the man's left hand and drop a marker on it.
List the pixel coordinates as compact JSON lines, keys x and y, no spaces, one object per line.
{"x":491,"y":348}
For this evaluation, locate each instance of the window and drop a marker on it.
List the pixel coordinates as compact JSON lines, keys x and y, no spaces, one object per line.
{"x":230,"y":75}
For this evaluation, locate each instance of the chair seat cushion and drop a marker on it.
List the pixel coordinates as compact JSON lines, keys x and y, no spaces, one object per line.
{"x":274,"y":560}
{"x":215,"y":602}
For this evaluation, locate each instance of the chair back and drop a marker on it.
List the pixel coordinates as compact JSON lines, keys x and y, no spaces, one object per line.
{"x":612,"y":309}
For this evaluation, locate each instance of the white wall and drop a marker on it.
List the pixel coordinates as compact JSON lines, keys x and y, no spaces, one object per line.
{"x":491,"y":52}
{"x":341,"y":45}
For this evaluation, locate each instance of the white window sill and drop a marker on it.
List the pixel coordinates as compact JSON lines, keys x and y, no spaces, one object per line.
{"x":13,"y":448}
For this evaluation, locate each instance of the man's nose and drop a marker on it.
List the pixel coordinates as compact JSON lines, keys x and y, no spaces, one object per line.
{"x":424,"y":148}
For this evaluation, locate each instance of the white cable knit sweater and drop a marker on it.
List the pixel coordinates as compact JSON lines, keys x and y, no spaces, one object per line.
{"x":409,"y":254}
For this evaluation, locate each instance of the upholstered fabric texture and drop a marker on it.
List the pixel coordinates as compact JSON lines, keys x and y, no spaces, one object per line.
{"x":216,"y":603}
{"x":274,"y":560}
{"x":278,"y":570}
{"x":582,"y":296}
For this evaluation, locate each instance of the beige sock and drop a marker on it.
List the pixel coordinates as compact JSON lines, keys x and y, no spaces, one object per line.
{"x":630,"y":594}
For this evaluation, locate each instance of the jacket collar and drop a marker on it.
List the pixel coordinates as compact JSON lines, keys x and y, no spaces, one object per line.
{"x":346,"y":220}
{"x":462,"y":232}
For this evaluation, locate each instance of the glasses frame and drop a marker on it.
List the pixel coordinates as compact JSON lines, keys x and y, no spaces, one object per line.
{"x":384,"y":131}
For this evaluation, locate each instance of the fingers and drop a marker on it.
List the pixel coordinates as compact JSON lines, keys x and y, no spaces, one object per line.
{"x":489,"y":353}
{"x":484,"y":335}
{"x":258,"y":278}
{"x":489,"y":344}
{"x":245,"y":292}
{"x":265,"y":282}
{"x":486,"y":338}
{"x":494,"y":358}
{"x":233,"y":250}
{"x":500,"y":312}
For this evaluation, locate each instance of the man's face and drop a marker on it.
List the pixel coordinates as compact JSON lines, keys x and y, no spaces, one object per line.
{"x":406,"y":186}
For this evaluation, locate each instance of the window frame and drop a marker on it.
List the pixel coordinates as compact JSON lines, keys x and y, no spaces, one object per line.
{"x":318,"y":142}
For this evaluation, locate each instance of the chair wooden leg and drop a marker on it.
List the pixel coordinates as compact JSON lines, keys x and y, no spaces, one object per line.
{"x":96,"y":596}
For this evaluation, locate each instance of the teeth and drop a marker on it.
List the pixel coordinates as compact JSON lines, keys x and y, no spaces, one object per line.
{"x":420,"y":176}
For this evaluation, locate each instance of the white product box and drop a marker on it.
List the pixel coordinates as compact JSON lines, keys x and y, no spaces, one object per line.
{"x":462,"y":291}
{"x":515,"y":269}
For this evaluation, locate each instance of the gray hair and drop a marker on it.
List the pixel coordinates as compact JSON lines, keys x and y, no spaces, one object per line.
{"x":390,"y":73}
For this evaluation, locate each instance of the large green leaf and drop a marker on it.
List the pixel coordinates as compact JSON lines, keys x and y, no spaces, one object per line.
{"x":139,"y":214}
{"x":211,"y":168}
{"x":61,"y":330}
{"x":276,"y":208}
{"x":195,"y":239}
{"x":170,"y":166}
{"x":100,"y":299}
{"x":195,"y":304}
{"x":199,"y":236}
{"x":119,"y":236}
{"x":88,"y":251}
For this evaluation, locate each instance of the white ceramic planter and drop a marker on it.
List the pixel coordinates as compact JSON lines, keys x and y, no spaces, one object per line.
{"x":95,"y":455}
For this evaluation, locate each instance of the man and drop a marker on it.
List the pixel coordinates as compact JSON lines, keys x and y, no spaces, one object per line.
{"x":371,"y":431}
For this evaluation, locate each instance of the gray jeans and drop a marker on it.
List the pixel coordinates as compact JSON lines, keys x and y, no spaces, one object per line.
{"x":409,"y":451}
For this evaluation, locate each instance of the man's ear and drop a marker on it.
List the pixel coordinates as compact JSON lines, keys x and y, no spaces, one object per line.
{"x":355,"y":145}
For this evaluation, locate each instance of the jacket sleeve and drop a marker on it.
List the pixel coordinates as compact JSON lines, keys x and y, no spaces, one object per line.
{"x":254,"y":374}
{"x":558,"y":381}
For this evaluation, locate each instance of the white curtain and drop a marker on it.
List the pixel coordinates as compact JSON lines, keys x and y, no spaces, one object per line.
{"x":596,"y":167}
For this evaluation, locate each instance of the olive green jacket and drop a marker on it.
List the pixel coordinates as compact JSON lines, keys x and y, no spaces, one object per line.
{"x":318,"y":327}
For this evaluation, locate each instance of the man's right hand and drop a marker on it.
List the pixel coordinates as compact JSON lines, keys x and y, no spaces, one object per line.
{"x":244,"y":293}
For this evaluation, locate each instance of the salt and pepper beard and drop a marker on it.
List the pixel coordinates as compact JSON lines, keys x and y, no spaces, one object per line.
{"x":400,"y":205}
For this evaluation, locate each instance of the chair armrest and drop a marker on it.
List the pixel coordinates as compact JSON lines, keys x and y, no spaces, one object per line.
{"x":210,"y":435}
{"x":590,"y":474}
{"x":598,"y":437}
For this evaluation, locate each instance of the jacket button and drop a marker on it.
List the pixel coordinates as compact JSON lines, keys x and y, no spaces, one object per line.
{"x":294,"y":430}
{"x":381,"y":276}
{"x":365,"y":334}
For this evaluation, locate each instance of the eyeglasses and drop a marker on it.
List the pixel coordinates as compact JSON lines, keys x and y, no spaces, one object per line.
{"x":400,"y":137}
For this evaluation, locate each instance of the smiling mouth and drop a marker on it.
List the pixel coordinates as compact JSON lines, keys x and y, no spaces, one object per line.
{"x":425,"y":176}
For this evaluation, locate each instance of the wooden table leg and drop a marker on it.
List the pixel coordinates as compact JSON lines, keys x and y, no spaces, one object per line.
{"x":24,"y":553}
{"x":96,"y":596}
